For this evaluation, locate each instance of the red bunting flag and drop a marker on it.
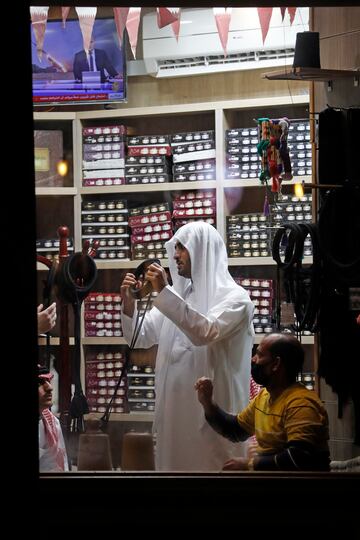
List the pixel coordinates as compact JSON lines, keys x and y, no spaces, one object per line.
{"x":264,"y":17}
{"x":167,"y":16}
{"x":132,"y":27}
{"x":39,"y":16}
{"x":176,"y":26}
{"x":64,"y":14}
{"x":120,"y":16}
{"x":222,"y":19}
{"x":292,"y":12}
{"x":86,"y":19}
{"x":283,"y":10}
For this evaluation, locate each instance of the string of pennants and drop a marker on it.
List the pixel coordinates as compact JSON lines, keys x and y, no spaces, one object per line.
{"x":129,"y":18}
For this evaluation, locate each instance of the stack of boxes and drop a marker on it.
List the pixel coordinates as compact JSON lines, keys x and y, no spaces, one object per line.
{"x":148,"y":159}
{"x":102,"y":316}
{"x":299,"y":147}
{"x":151,"y":227}
{"x":261,"y":292}
{"x":49,"y":248}
{"x":193,"y":156}
{"x":151,"y":169}
{"x":104,"y":155}
{"x":248,"y":235}
{"x":141,"y":388}
{"x":107,"y":222}
{"x":242,"y":158}
{"x":102,"y":372}
{"x":193,"y":206}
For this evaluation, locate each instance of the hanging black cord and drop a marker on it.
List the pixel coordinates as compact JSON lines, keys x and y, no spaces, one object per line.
{"x":308,"y":281}
{"x":79,"y":405}
{"x":301,"y":285}
{"x":137,"y":328}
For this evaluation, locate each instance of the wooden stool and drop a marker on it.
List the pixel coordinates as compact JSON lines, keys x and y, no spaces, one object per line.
{"x":137,"y":452}
{"x":94,"y":449}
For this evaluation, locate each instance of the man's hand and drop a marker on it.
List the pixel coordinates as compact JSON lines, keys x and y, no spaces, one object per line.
{"x":128,"y":301}
{"x":46,"y":318}
{"x":204,"y":389}
{"x":156,"y":274}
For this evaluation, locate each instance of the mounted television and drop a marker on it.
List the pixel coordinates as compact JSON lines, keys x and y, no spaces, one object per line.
{"x":66,"y":75}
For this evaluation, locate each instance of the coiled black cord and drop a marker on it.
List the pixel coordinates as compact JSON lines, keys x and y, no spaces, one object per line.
{"x":301,"y":284}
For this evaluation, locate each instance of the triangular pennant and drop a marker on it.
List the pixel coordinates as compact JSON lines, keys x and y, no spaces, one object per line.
{"x":120,"y":16}
{"x":264,"y":17}
{"x":132,"y":27}
{"x":167,"y":16}
{"x":176,"y":26}
{"x":283,"y":10}
{"x":64,"y":14}
{"x":222,"y":18}
{"x":86,"y":19}
{"x":292,"y":12}
{"x":39,"y":16}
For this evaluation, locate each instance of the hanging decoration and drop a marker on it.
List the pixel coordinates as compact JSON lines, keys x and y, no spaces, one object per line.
{"x":167,"y":16}
{"x":64,"y":14}
{"x":132,"y":27}
{"x":274,"y":153}
{"x":86,"y":19}
{"x":283,"y":11}
{"x":176,"y":26}
{"x":264,"y":17}
{"x":120,"y":17}
{"x":39,"y":16}
{"x":292,"y":13}
{"x":222,"y":18}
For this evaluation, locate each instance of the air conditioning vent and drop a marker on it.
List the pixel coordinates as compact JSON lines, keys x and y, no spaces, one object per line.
{"x":206,"y":61}
{"x":198,"y":50}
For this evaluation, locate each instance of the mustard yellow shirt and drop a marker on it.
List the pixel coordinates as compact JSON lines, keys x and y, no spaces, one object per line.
{"x":297,"y":414}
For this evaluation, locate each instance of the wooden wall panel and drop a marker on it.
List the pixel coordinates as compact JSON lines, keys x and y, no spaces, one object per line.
{"x":339,"y":29}
{"x":149,"y":91}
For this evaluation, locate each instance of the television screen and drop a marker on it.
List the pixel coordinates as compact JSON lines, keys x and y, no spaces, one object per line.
{"x":65,"y":74}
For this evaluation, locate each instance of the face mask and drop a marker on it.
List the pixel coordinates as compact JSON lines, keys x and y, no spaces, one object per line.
{"x":259,"y":375}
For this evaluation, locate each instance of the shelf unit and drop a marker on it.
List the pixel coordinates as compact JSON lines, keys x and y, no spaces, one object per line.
{"x":218,"y":116}
{"x":312,"y":74}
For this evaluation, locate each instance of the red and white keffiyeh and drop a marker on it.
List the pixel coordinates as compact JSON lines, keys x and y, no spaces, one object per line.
{"x":52,"y":438}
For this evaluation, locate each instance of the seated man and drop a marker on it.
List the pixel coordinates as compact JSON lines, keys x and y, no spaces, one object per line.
{"x":289,"y":421}
{"x":52,"y":452}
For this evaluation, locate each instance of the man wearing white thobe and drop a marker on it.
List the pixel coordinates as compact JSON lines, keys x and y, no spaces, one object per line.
{"x":203,"y":327}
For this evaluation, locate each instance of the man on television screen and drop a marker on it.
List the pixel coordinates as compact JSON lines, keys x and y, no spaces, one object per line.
{"x":94,"y":60}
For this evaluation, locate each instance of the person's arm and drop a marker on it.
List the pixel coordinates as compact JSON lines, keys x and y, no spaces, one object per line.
{"x":220,"y":322}
{"x":296,"y":456}
{"x":222,"y":422}
{"x":151,"y":325}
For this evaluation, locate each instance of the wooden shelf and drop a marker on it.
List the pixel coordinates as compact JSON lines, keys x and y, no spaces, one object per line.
{"x":141,"y":188}
{"x":258,"y":261}
{"x":103,"y":341}
{"x":255,"y":182}
{"x":55,"y":191}
{"x":54,"y":340}
{"x":116,"y":265}
{"x":310,"y":74}
{"x":125,"y":417}
{"x":305,"y":340}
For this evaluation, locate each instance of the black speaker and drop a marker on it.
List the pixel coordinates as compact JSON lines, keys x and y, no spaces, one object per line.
{"x":307,"y":50}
